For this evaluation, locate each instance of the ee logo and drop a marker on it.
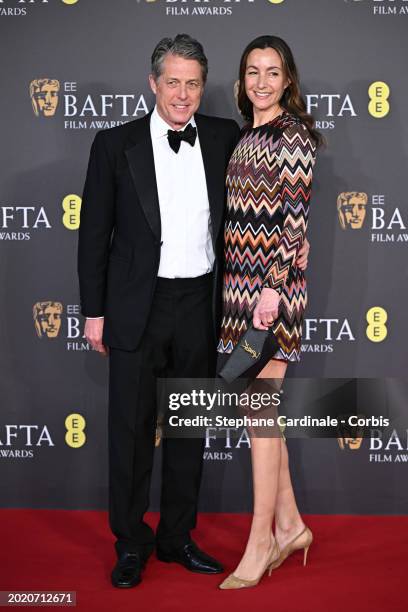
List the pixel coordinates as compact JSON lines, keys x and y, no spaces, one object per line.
{"x":75,"y":425}
{"x":72,"y":207}
{"x":379,"y":93}
{"x":376,"y":329}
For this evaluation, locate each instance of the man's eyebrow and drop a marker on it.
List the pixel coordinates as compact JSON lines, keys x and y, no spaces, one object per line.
{"x":176,"y":79}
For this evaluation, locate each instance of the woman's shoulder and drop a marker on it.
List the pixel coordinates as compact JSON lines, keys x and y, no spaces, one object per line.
{"x":288,"y":122}
{"x":294,"y":131}
{"x":285,"y":126}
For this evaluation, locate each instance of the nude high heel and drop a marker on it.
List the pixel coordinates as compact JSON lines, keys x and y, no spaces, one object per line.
{"x":296,"y":544}
{"x":233,"y":582}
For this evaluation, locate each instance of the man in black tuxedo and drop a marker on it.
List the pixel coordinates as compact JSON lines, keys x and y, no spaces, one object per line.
{"x":150,"y":247}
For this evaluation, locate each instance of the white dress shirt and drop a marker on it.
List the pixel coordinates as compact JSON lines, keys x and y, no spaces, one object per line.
{"x":187,"y":249}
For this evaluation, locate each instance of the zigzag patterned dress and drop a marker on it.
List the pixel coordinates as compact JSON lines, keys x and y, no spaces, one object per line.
{"x":268,"y":193}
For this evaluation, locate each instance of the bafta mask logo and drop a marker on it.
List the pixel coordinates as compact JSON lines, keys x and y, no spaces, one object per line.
{"x":159,"y":430}
{"x":235,"y":92}
{"x":349,"y":436}
{"x":47,"y":318}
{"x":44,"y":94}
{"x":158,"y":435}
{"x":351,"y":208}
{"x":350,"y":443}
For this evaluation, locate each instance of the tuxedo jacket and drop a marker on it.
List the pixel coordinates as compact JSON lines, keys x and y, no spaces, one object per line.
{"x":120,"y":230}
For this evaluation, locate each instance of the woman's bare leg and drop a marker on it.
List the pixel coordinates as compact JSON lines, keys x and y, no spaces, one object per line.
{"x":288,"y":522}
{"x":266,"y":465}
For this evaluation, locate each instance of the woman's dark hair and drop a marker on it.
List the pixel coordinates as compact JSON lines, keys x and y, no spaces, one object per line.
{"x":292,"y":99}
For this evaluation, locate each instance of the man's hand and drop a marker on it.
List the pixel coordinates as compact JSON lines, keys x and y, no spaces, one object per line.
{"x":93,"y":333}
{"x":302,"y":258}
{"x":266,"y":310}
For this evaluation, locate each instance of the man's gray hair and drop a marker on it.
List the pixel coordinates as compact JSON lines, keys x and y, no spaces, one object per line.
{"x":182,"y":45}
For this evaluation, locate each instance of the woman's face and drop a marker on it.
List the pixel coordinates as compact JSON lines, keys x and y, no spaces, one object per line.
{"x":265,"y":79}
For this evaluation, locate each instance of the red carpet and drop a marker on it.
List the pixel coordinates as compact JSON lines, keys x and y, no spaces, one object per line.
{"x":355,"y":563}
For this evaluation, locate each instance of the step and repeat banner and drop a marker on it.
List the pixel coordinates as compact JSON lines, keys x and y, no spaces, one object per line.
{"x":73,"y":67}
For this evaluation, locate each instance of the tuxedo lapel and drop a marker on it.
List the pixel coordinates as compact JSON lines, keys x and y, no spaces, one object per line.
{"x":214,"y":167}
{"x":139,"y":153}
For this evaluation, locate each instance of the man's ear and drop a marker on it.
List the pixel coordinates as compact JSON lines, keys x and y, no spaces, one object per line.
{"x":152,"y":83}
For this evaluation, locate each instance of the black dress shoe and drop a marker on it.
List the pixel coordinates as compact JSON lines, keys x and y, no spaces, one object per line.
{"x":192,"y":558}
{"x":127,"y":572}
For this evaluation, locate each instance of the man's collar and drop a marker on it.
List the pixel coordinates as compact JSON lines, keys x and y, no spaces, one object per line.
{"x":159,"y":127}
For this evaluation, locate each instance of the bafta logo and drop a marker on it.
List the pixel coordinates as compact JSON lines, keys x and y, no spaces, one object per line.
{"x":235,"y":92}
{"x":158,"y":435}
{"x":349,"y":436}
{"x":47,"y":318}
{"x":44,"y":95}
{"x":350,"y":443}
{"x":160,"y":425}
{"x":351,"y":208}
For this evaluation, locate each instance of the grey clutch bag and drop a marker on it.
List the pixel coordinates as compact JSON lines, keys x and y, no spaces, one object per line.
{"x":253,"y":351}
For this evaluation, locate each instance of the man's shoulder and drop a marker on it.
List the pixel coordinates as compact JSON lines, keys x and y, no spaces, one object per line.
{"x":226,"y":129}
{"x":120,"y":133}
{"x":218,"y":122}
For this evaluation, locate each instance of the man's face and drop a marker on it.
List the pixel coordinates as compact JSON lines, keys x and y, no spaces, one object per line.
{"x":50,"y":321}
{"x":178,"y":90}
{"x":47,"y":99}
{"x":352,"y":210}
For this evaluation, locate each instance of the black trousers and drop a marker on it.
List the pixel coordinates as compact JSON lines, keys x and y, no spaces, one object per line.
{"x":178,"y":342}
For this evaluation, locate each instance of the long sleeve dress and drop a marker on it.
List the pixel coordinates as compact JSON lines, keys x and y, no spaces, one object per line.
{"x":268,"y":195}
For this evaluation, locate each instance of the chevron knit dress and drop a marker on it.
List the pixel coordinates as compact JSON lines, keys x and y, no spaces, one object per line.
{"x":268,"y":193}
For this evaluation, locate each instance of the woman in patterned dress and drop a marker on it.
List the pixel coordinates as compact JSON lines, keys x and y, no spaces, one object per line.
{"x":268,"y":184}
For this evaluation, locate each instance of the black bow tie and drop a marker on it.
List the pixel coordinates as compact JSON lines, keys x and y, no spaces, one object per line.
{"x":189,"y":134}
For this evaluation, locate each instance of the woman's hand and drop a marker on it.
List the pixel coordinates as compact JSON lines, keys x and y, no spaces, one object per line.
{"x":266,"y":310}
{"x":303,"y":255}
